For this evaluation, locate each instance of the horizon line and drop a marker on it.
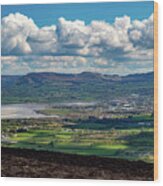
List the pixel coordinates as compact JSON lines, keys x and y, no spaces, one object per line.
{"x":77,"y":73}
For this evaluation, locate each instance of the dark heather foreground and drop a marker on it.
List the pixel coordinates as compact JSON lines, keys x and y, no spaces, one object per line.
{"x":36,"y":164}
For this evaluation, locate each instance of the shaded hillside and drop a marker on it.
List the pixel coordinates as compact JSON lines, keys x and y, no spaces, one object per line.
{"x":30,"y":163}
{"x":86,"y":86}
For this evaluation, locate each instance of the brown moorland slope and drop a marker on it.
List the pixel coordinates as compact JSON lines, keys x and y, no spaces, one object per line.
{"x":35,"y":164}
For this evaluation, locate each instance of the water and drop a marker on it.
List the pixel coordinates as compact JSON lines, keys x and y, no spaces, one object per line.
{"x":11,"y":111}
{"x":28,"y":110}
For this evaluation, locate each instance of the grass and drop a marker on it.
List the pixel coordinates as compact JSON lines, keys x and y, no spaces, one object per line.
{"x":141,"y":117}
{"x":61,"y":112}
{"x":131,"y":144}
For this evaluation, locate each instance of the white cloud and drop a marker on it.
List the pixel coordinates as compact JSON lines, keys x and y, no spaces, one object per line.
{"x":73,"y":44}
{"x":15,"y":30}
{"x":75,"y":37}
{"x":141,"y":33}
{"x":123,"y":23}
{"x":43,"y":41}
{"x":101,"y":62}
{"x":72,"y":34}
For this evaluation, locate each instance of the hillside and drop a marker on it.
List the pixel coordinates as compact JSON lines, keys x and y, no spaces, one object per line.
{"x":86,"y":86}
{"x":30,"y":163}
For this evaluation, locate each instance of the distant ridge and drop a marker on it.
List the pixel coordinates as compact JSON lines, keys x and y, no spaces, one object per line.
{"x":85,"y":73}
{"x":85,"y":86}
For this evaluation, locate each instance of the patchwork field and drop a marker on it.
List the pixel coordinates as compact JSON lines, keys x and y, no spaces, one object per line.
{"x":130,"y":139}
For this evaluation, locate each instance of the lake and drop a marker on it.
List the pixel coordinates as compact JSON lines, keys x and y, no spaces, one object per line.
{"x":28,"y":110}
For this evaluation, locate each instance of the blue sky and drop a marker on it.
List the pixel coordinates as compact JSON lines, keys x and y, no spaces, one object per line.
{"x":48,"y":14}
{"x":111,"y":38}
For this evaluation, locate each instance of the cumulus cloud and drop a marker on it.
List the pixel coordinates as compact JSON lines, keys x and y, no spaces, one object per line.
{"x":21,"y":36}
{"x":15,"y":30}
{"x":141,"y":33}
{"x":75,"y":44}
{"x":72,"y":34}
{"x":110,"y":40}
{"x":75,"y":37}
{"x":43,"y":41}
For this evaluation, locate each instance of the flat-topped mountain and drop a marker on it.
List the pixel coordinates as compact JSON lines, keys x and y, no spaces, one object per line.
{"x":85,"y":86}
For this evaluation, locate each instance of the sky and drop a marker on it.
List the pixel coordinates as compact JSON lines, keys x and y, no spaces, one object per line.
{"x":109,"y":38}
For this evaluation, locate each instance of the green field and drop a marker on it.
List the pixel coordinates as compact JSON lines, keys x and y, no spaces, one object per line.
{"x":133,"y":143}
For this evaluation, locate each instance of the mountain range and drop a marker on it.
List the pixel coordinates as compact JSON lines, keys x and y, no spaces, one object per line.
{"x":85,"y":86}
